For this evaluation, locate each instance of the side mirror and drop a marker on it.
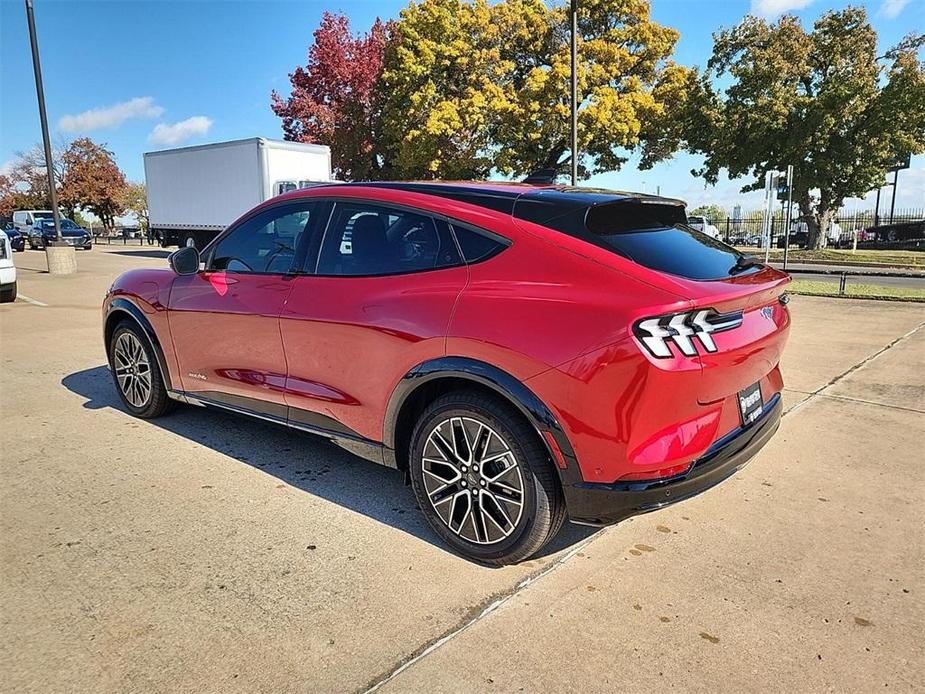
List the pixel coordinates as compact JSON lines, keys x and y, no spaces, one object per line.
{"x":184,"y":261}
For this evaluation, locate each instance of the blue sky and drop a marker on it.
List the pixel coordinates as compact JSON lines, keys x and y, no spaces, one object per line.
{"x":143,"y":75}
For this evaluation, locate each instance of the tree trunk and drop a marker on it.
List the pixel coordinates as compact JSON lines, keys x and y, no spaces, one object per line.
{"x":552,"y":158}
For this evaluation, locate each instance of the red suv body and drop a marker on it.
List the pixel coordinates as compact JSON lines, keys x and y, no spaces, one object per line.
{"x":623,"y":360}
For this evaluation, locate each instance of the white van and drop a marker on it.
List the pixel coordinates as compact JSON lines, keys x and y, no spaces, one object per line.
{"x":7,"y":270}
{"x":24,"y":219}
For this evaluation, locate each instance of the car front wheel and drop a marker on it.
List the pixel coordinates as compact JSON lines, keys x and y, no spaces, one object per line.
{"x":483,"y":479}
{"x":136,"y":373}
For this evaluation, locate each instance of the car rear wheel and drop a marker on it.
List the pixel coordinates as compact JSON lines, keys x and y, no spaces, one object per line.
{"x":136,"y":373}
{"x":483,"y":479}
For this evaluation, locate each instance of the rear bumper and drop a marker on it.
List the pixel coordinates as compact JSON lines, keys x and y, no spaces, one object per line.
{"x":592,"y":503}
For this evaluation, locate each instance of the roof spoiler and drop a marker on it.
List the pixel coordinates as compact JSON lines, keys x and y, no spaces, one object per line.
{"x":542,"y":177}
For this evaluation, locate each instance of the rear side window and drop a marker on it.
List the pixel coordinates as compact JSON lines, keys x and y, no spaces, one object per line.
{"x":476,"y":245}
{"x":658,"y":237}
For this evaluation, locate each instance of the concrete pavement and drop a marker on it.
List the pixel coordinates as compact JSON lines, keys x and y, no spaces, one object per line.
{"x":208,"y":552}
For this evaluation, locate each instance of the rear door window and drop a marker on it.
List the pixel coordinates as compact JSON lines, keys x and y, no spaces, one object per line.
{"x":364,"y":240}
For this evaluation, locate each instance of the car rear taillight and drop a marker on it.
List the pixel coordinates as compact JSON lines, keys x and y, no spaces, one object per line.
{"x":683,"y":329}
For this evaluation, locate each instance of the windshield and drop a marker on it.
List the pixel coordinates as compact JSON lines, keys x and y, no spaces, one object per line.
{"x":65,"y":224}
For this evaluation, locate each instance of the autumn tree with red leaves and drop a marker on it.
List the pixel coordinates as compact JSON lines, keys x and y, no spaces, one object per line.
{"x":93,"y":181}
{"x":335,"y":99}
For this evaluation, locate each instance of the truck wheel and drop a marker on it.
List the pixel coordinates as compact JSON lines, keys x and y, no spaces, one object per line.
{"x":190,"y":242}
{"x":136,"y":373}
{"x":483,"y":479}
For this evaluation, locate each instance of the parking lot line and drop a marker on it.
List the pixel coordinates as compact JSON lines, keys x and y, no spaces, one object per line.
{"x":31,"y":300}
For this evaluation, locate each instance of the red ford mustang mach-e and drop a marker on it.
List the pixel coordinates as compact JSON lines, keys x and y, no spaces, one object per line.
{"x":524,"y":353}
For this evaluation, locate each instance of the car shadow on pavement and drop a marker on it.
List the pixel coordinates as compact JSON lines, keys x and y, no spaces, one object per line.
{"x":309,"y":463}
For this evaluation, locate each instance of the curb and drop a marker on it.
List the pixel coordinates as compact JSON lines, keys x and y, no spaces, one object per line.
{"x":854,"y":273}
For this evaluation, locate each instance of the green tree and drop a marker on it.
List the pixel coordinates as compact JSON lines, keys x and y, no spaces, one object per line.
{"x":135,"y":200}
{"x":822,"y":100}
{"x":80,"y":220}
{"x":474,"y":86}
{"x":442,"y":79}
{"x":715,"y":213}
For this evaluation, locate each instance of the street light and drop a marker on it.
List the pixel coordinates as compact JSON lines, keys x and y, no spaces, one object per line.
{"x":60,"y":257}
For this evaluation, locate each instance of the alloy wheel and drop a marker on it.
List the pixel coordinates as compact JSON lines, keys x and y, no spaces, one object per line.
{"x":133,"y":370}
{"x":473,"y":480}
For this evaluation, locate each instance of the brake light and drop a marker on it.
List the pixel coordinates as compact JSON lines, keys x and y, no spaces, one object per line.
{"x":682,"y":329}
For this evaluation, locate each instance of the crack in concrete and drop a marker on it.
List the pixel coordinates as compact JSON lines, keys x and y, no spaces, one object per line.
{"x":497,"y":600}
{"x":866,"y":360}
{"x":862,"y":401}
{"x":493,"y":603}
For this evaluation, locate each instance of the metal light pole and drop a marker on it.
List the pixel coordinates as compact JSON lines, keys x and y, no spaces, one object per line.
{"x":766,"y":232}
{"x":40,"y":92}
{"x":574,"y":94}
{"x":789,"y":213}
{"x":893,"y":201}
{"x":877,"y":208}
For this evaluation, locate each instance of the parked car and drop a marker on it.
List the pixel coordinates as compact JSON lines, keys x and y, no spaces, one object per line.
{"x":24,"y":220}
{"x":523,"y":353}
{"x":745,"y":239}
{"x":43,"y":232}
{"x":799,"y":235}
{"x":703,"y":224}
{"x":7,"y":271}
{"x":17,"y":240}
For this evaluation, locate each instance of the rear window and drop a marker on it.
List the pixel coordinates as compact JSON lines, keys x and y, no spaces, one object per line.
{"x":657,"y":236}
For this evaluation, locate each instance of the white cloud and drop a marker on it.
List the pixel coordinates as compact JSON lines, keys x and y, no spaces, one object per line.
{"x":110,"y":116}
{"x":910,"y":194}
{"x":167,"y":134}
{"x":774,"y":8}
{"x":891,"y":8}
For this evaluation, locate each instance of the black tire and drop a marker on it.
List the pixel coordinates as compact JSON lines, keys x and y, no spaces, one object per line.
{"x":157,"y":402}
{"x":8,"y":295}
{"x":543,"y":511}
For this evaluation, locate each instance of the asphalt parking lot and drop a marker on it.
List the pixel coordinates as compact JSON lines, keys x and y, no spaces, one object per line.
{"x":205,"y":552}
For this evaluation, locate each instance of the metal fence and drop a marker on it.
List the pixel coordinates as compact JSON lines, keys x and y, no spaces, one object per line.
{"x":906,"y":230}
{"x":124,"y":236}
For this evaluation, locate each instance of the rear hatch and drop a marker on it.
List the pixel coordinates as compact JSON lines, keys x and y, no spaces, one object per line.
{"x":651,"y":240}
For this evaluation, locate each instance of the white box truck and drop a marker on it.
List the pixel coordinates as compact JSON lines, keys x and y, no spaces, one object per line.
{"x":195,"y":192}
